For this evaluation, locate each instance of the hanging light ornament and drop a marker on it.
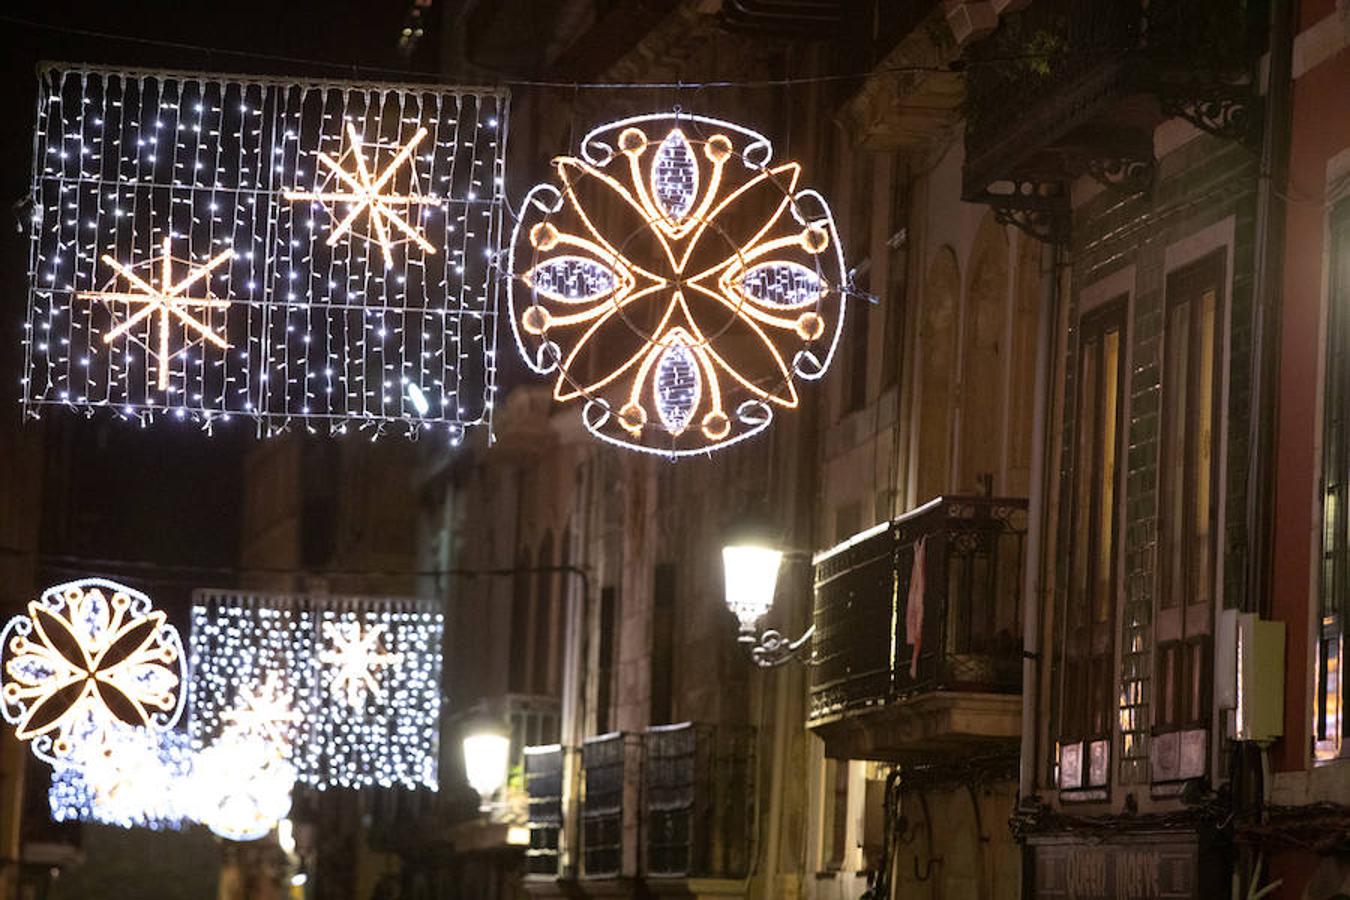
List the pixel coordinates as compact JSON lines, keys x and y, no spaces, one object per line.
{"x":129,"y":777}
{"x":242,"y":785}
{"x":677,"y":282}
{"x":88,"y":656}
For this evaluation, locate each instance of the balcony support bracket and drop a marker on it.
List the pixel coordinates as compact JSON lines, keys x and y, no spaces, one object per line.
{"x":1124,"y":174}
{"x":1229,"y":111}
{"x":1040,"y":210}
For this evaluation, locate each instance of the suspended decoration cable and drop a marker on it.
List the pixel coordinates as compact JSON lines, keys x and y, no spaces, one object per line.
{"x":677,"y":282}
{"x":291,"y":252}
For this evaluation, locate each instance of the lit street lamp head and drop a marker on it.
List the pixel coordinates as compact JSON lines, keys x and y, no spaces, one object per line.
{"x":751,"y":555}
{"x":486,"y":748}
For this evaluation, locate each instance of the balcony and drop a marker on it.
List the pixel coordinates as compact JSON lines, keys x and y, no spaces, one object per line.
{"x":698,"y":792}
{"x":611,"y":767}
{"x":874,"y":694}
{"x":1068,"y":88}
{"x":664,"y":813}
{"x":544,"y":773}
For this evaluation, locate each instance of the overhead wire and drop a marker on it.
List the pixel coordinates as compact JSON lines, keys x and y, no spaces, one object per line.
{"x":356,"y":69}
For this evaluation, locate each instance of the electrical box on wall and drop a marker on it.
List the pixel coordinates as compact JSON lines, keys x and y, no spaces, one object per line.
{"x":1249,"y":676}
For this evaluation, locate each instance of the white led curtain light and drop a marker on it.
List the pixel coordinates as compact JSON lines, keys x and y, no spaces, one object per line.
{"x":208,"y":247}
{"x":350,"y":684}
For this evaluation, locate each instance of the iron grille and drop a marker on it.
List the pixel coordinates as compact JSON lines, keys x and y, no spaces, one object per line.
{"x":544,"y":784}
{"x":698,"y":787}
{"x":605,"y":763}
{"x":971,"y":621}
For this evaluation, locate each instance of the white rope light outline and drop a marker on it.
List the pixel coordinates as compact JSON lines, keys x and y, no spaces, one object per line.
{"x":532,"y":320}
{"x":99,"y":636}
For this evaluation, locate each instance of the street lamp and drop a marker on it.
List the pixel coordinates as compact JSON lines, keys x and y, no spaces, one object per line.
{"x":486,"y":750}
{"x":751,"y":559}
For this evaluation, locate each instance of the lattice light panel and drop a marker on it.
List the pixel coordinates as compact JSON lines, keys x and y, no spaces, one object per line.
{"x":351,"y":685}
{"x":211,"y":247}
{"x":677,"y":282}
{"x":132,"y":778}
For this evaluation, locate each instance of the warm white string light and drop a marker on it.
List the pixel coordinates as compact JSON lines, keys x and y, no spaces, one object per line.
{"x":677,"y":282}
{"x":339,"y":237}
{"x":362,"y":677}
{"x":86,"y":657}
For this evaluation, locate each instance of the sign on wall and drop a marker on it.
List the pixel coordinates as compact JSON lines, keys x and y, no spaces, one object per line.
{"x":210,"y":247}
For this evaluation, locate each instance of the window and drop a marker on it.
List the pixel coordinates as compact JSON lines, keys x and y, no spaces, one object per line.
{"x":856,"y":339}
{"x":1087,"y":665}
{"x":834,"y":833}
{"x":605,"y":667}
{"x":1187,"y":519}
{"x":663,"y":646}
{"x":1329,"y":724}
{"x":893,"y":302}
{"x":541,"y":621}
{"x":518,"y":677}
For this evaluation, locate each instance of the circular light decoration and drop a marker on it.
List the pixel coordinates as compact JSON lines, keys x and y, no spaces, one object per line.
{"x":677,"y":281}
{"x":242,"y":785}
{"x":88,"y":655}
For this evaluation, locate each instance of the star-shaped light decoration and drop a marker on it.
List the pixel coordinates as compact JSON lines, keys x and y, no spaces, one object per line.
{"x":167,"y":301}
{"x":89,"y":655}
{"x":355,"y":654}
{"x":371,"y":193}
{"x":265,"y":712}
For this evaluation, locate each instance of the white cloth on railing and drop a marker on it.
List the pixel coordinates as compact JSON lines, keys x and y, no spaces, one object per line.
{"x":914,"y":606}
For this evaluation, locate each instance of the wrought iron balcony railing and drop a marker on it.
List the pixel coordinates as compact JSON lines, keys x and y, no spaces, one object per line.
{"x":544,"y":773}
{"x":878,"y":643}
{"x":1072,"y":87}
{"x":698,"y":799}
{"x":684,"y":792}
{"x":610,"y":765}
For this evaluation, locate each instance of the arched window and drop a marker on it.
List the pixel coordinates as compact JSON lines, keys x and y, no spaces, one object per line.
{"x":518,"y":677}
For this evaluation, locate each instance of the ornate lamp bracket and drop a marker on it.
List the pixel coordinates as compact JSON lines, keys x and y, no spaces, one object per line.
{"x":771,"y":649}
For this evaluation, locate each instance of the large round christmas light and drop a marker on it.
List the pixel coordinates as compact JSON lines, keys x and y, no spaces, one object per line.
{"x":88,"y":655}
{"x":677,"y":282}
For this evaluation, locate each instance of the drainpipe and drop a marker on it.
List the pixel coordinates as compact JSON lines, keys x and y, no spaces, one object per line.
{"x":1266,"y":305}
{"x":1036,"y":506}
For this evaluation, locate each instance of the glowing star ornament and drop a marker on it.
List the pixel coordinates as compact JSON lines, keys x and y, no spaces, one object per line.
{"x":368,"y":192}
{"x":88,"y":656}
{"x":677,"y":282}
{"x":354,"y":656}
{"x":168,"y":302}
{"x":265,"y":712}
